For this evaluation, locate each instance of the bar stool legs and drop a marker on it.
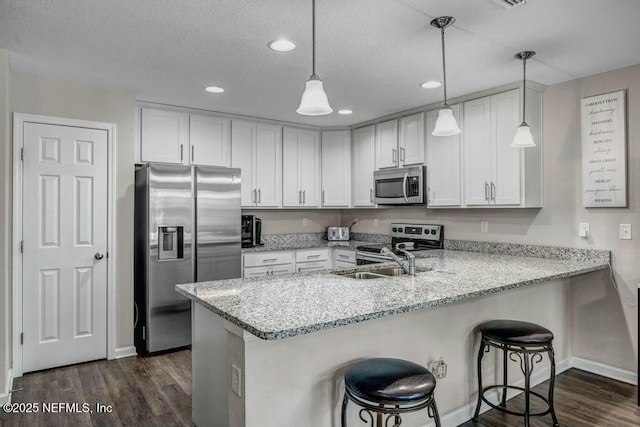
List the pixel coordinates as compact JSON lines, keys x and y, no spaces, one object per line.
{"x":483,"y":349}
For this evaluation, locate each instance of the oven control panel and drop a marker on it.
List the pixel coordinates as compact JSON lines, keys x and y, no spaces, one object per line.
{"x":417,"y":231}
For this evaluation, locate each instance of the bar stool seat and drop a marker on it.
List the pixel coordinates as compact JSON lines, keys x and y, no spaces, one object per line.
{"x":386,"y":388}
{"x":523,"y":342}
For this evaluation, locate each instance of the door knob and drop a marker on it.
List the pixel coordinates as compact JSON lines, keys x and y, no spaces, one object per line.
{"x":98,"y":256}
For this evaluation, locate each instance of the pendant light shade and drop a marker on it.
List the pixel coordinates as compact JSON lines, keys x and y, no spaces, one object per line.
{"x":446,"y":124}
{"x":523,"y":137}
{"x":314,"y":100}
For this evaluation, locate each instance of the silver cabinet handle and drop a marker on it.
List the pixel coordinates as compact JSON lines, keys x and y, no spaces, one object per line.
{"x":402,"y":154}
{"x":393,"y":154}
{"x":493,"y":191}
{"x":193,"y":153}
{"x":259,"y":196}
{"x":304,"y":197}
{"x":343,"y":256}
{"x":181,"y":156}
{"x":98,"y":256}
{"x":371,"y":195}
{"x":486,"y":191}
{"x":254,"y":199}
{"x":299,"y":197}
{"x":323,"y":197}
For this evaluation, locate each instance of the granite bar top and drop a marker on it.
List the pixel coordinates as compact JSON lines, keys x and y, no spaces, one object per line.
{"x":277,"y":307}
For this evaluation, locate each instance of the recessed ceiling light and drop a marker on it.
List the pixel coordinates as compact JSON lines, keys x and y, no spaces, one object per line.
{"x":430,"y":84}
{"x":345,"y":112}
{"x":281,"y":45}
{"x":214,"y":89}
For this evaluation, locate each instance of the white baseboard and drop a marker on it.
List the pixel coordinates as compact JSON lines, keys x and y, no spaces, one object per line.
{"x":5,"y":397}
{"x":598,"y":368}
{"x":125,"y":352}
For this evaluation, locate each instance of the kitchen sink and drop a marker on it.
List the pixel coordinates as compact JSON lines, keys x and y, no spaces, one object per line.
{"x":380,"y":273}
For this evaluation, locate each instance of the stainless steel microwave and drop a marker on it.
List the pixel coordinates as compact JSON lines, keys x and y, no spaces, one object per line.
{"x":400,"y":186}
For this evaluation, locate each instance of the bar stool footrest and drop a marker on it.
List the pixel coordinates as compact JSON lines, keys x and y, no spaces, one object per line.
{"x":507,"y":411}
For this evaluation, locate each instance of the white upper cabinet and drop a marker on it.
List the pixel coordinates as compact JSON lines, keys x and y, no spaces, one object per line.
{"x":256,"y":149}
{"x":336,"y":168}
{"x":301,"y":168}
{"x":387,"y":144}
{"x":497,"y":174}
{"x":209,"y":140}
{"x":443,"y":165}
{"x":164,"y":136}
{"x":364,"y":164}
{"x":411,"y":140}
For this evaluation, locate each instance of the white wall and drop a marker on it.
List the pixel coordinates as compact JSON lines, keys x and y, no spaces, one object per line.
{"x":5,"y":225}
{"x":40,"y":95}
{"x":291,"y":221}
{"x":604,"y":322}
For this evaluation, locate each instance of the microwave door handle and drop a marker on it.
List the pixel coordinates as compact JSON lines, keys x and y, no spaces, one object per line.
{"x":404,"y":187}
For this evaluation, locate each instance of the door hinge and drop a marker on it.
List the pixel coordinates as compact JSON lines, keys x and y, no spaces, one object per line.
{"x":21,"y":246}
{"x":21,"y":338}
{"x":22,"y":154}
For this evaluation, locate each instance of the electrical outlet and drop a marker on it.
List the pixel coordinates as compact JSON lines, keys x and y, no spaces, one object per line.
{"x":236,"y":380}
{"x":305,"y":222}
{"x":583,"y":230}
{"x":484,"y":226}
{"x":375,"y":222}
{"x":625,"y":231}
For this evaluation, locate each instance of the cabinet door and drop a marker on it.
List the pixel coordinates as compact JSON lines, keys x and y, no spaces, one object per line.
{"x":336,"y":168}
{"x":506,"y":168}
{"x":243,"y":142}
{"x":209,"y":141}
{"x":282,"y":269}
{"x":443,"y":164}
{"x":291,"y":193}
{"x":307,"y":267}
{"x":476,"y":136}
{"x":364,"y":163}
{"x":256,"y":272}
{"x":387,"y":144}
{"x":411,"y":141}
{"x":163,"y":136}
{"x":309,"y":168}
{"x":268,"y":163}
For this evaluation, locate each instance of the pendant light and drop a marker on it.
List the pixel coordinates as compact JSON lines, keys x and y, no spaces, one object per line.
{"x":446,"y":124}
{"x":314,"y":100}
{"x":523,"y":138}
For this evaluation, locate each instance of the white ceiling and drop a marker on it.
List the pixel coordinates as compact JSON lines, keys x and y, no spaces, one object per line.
{"x":371,"y":54}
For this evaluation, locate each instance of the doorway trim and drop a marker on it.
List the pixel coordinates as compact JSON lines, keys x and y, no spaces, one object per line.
{"x":19,"y":119}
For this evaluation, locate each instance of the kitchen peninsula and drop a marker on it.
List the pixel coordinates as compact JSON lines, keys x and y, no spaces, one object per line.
{"x":271,"y":351}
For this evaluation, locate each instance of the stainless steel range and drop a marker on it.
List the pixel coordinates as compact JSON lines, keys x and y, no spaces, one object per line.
{"x":404,"y":236}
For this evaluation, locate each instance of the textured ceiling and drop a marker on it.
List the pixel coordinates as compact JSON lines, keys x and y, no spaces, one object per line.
{"x":371,"y":54}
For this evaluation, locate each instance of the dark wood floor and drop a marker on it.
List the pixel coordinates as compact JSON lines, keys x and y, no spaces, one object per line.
{"x":144,"y":391}
{"x":156,"y":391}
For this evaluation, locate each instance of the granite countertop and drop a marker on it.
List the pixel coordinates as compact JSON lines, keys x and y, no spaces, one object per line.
{"x":305,"y":244}
{"x":276,"y":307}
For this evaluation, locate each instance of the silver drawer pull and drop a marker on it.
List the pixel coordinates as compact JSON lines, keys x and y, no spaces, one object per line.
{"x":343,"y":256}
{"x":269,"y":259}
{"x":313,"y":256}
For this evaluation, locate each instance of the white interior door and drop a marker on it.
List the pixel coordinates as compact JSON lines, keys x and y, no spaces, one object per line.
{"x":65,"y":242}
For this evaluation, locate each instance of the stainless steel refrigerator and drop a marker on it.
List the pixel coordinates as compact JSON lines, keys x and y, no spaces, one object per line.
{"x":187,"y":229}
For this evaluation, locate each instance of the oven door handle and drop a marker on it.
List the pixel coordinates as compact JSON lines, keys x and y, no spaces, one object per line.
{"x":404,"y":187}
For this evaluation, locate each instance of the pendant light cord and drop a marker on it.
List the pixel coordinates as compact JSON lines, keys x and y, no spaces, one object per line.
{"x":313,"y":36}
{"x":524,"y":90}
{"x":444,"y":70}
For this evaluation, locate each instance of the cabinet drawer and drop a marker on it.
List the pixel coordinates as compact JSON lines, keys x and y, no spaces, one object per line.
{"x":267,"y":258}
{"x":305,"y":267}
{"x":312,"y":255}
{"x":344,"y":256}
{"x":282,"y":269}
{"x":342,"y":264}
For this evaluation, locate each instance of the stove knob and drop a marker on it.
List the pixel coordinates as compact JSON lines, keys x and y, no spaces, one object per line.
{"x":433,"y":231}
{"x":394,"y":229}
{"x":426,"y":231}
{"x":399,"y":230}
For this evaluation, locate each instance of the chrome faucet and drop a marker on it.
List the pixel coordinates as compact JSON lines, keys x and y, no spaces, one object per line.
{"x":408,"y":264}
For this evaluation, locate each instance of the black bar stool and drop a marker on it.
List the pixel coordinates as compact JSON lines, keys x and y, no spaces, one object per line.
{"x":387,"y":388}
{"x":522,"y":342}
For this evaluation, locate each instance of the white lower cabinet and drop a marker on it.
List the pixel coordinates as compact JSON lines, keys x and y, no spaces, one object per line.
{"x":268,"y":263}
{"x":313,"y":260}
{"x":343,"y":258}
{"x":273,"y":263}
